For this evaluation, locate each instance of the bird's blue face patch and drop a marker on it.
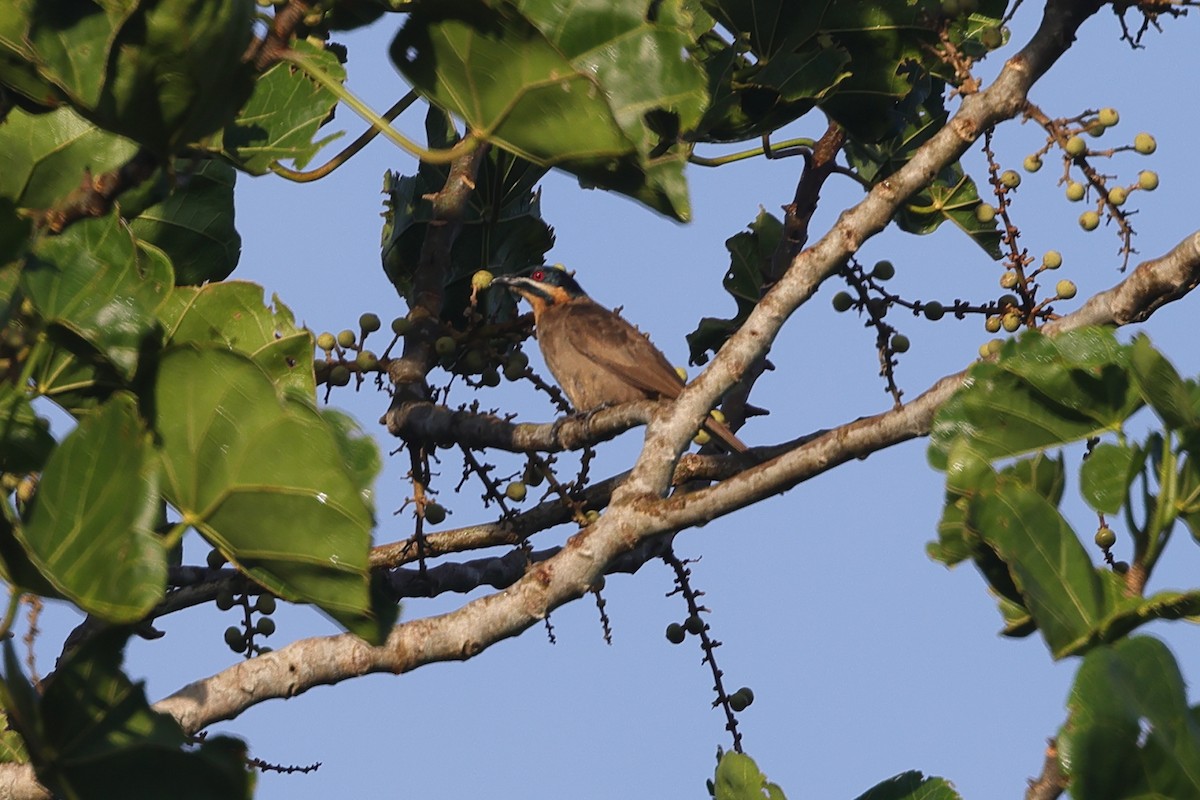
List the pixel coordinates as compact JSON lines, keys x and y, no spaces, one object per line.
{"x":558,"y":278}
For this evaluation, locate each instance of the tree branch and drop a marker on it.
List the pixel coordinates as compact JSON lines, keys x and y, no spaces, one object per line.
{"x":465,"y":632}
{"x":638,"y":512}
{"x":1005,"y":98}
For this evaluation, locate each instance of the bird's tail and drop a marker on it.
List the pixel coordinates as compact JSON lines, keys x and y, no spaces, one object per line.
{"x":721,"y":431}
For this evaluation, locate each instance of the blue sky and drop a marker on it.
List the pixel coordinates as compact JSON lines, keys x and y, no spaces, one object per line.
{"x":866,"y":658}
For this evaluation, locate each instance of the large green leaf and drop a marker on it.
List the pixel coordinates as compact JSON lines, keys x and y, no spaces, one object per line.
{"x":595,"y":87}
{"x":47,"y":155}
{"x":1130,"y":732}
{"x":194,"y":224}
{"x":264,"y":479}
{"x":92,"y":735}
{"x":232,"y":314}
{"x":162,"y":73}
{"x":1049,"y":567}
{"x":281,"y":119}
{"x":94,"y":281}
{"x":1041,"y":393}
{"x":89,"y":528}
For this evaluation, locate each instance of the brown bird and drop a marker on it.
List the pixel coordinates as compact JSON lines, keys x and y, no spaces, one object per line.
{"x":597,"y":357}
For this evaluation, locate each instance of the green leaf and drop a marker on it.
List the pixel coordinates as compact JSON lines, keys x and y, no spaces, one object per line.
{"x":102,"y":739}
{"x":597,"y":88}
{"x":71,"y":43}
{"x":754,"y":98}
{"x":194,"y":224}
{"x":233,"y":314}
{"x":94,"y":281}
{"x":886,"y":51}
{"x":953,"y":197}
{"x":502,"y":229}
{"x":1130,"y":732}
{"x":1105,"y":476}
{"x":89,"y":528}
{"x":1049,"y":567}
{"x":738,"y":778}
{"x":73,"y":373}
{"x":1160,"y":385}
{"x":281,"y":119}
{"x":1041,"y":393}
{"x":164,"y":74}
{"x":750,"y":265}
{"x":25,"y":440}
{"x":263,"y":478}
{"x":1126,"y":613}
{"x":46,"y":156}
{"x":18,"y":70}
{"x":911,"y":786}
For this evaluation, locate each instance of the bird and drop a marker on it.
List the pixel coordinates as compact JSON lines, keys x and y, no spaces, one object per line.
{"x":597,"y":357}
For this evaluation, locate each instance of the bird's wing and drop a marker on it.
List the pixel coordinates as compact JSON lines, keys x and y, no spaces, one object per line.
{"x":613,"y":344}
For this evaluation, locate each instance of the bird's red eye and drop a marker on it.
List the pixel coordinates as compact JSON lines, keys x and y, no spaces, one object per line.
{"x":538,"y":275}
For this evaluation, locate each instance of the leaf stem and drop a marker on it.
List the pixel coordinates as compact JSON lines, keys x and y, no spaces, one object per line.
{"x":468,"y":143}
{"x":351,"y":149}
{"x":729,"y":158}
{"x":172,"y":537}
{"x":10,"y":614}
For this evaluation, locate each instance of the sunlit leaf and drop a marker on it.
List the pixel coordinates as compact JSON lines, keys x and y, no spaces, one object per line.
{"x":264,"y":479}
{"x":89,"y":526}
{"x":46,"y":156}
{"x":94,"y":281}
{"x":1054,"y":575}
{"x":597,"y":88}
{"x":233,"y":314}
{"x":281,"y":119}
{"x":1041,"y":393}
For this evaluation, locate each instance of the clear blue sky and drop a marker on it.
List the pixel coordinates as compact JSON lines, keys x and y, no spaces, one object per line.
{"x":866,"y":657}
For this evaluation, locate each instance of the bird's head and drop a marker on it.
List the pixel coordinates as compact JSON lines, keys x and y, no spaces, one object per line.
{"x":543,"y":286}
